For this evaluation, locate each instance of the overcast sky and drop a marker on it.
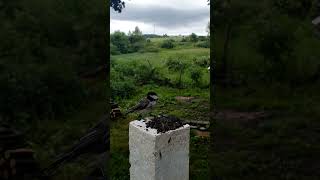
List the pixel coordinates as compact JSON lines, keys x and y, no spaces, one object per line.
{"x":172,"y":17}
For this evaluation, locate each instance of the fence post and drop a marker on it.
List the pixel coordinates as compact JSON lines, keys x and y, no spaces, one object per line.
{"x":158,"y":156}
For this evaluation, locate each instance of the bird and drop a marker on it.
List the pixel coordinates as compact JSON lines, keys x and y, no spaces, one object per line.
{"x":145,"y":103}
{"x":95,"y":141}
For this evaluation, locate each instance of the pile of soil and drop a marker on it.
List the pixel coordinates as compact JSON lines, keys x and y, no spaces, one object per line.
{"x":164,"y":123}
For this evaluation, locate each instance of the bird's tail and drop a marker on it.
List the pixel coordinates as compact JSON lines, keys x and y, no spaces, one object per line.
{"x":128,"y":112}
{"x":53,"y":167}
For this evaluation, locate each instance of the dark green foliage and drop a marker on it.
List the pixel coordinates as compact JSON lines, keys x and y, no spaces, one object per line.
{"x":203,"y":44}
{"x":177,"y":65}
{"x":133,"y":42}
{"x":34,"y":93}
{"x":195,"y":75}
{"x":168,"y":44}
{"x":114,"y":50}
{"x":274,"y":40}
{"x":193,"y":37}
{"x":121,"y":41}
{"x":150,"y":48}
{"x":117,"y":5}
{"x":45,"y":46}
{"x":202,"y":38}
{"x":296,"y":8}
{"x":202,"y":61}
{"x":146,"y":74}
{"x":122,"y":88}
{"x":184,"y":39}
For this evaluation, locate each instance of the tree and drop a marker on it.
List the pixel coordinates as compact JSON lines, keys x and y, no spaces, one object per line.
{"x":193,"y":37}
{"x":121,"y":41}
{"x":177,"y":66}
{"x":136,"y":36}
{"x":195,"y":75}
{"x":137,"y":40}
{"x":297,"y":8}
{"x":117,"y":5}
{"x":274,"y":39}
{"x":228,"y":14}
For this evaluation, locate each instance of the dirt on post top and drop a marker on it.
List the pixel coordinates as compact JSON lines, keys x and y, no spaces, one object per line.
{"x":164,"y":123}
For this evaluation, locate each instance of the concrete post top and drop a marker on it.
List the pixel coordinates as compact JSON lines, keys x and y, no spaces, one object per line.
{"x":141,"y":125}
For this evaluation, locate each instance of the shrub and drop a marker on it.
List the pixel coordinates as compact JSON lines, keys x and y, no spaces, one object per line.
{"x":176,"y":65}
{"x":195,"y":75}
{"x":121,"y":41}
{"x":147,"y":74}
{"x":168,"y":44}
{"x":114,"y":50}
{"x":122,"y":83}
{"x":203,"y":44}
{"x":202,"y":61}
{"x":122,"y":88}
{"x":149,"y":48}
{"x":184,"y":39}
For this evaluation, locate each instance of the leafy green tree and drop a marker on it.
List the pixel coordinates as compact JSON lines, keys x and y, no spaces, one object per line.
{"x":297,"y":8}
{"x":121,"y":41}
{"x":193,"y":37}
{"x":177,"y":65}
{"x":117,"y":5}
{"x":195,"y":75}
{"x":275,"y":39}
{"x":137,"y":40}
{"x":229,"y":14}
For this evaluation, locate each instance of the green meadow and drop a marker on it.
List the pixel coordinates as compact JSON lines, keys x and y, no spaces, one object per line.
{"x":140,"y":72}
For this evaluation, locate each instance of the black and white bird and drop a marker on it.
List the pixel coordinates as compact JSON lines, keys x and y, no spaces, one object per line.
{"x":96,"y":141}
{"x":145,"y":103}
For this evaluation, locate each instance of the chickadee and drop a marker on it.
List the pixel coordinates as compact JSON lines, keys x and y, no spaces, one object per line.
{"x":147,"y":102}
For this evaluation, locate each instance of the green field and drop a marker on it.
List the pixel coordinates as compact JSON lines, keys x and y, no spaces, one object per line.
{"x":197,"y":109}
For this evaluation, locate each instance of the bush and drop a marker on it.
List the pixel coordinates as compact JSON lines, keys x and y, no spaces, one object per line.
{"x":114,"y":50}
{"x":122,"y":88}
{"x":121,"y":41}
{"x":176,"y":65}
{"x":195,"y":75}
{"x":147,"y":74}
{"x":122,"y":83}
{"x":184,"y":39}
{"x":202,"y":61}
{"x":149,"y":48}
{"x":168,"y":44}
{"x":203,"y":44}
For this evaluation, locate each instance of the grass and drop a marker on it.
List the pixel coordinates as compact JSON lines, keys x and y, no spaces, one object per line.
{"x":159,"y":60}
{"x":196,"y":110}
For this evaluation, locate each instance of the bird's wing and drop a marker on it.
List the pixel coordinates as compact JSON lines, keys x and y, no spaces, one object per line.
{"x":143,"y":103}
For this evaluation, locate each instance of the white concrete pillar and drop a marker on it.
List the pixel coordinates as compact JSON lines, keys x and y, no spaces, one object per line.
{"x":163,"y":156}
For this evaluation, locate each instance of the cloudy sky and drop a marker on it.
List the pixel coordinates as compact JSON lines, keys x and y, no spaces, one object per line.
{"x":172,"y":17}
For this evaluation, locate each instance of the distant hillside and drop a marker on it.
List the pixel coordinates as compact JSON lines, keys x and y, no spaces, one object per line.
{"x":151,"y":35}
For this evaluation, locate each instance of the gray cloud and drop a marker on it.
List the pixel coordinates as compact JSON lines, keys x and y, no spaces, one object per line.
{"x":165,"y":17}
